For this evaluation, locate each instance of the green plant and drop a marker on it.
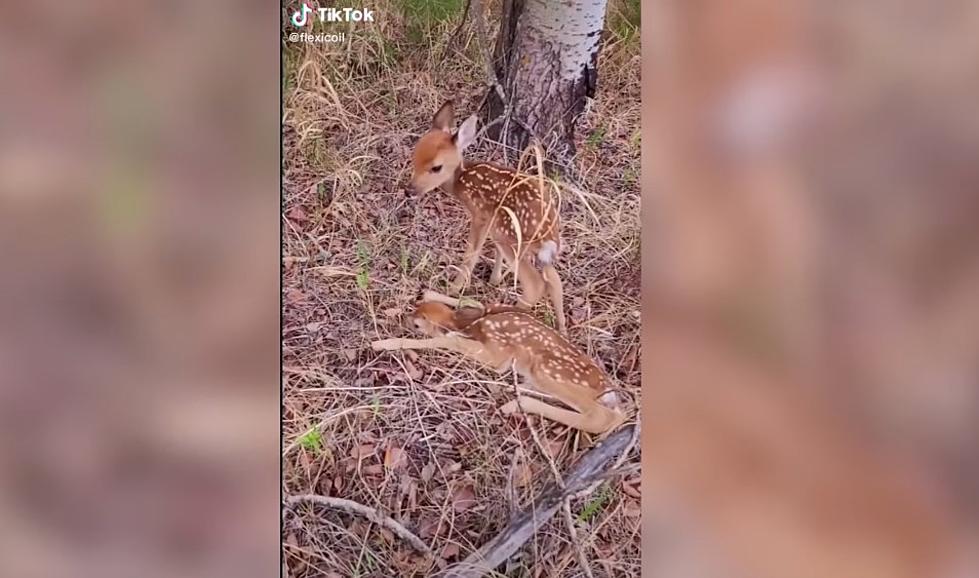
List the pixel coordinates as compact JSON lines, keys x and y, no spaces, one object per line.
{"x":596,"y":137}
{"x":405,"y":261}
{"x":312,"y":441}
{"x":363,"y":259}
{"x":625,"y":17}
{"x":598,"y":502}
{"x":422,"y":15}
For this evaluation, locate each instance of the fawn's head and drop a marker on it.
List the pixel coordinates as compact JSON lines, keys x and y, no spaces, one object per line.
{"x":439,"y":151}
{"x":433,"y":318}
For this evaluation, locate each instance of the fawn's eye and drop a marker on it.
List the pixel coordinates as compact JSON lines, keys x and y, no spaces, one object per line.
{"x":436,"y":168}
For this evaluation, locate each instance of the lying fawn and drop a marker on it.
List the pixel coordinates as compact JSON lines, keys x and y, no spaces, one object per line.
{"x":519,"y":216}
{"x":501,"y":337}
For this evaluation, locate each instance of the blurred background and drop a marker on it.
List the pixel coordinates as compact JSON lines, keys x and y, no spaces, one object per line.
{"x":139,"y":203}
{"x":811,"y":284}
{"x":811,"y":289}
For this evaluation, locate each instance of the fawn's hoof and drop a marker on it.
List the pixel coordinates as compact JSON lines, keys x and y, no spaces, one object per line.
{"x":384,"y":344}
{"x":509,"y":408}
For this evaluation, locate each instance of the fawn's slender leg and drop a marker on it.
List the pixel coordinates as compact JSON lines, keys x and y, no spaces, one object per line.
{"x":468,"y":347}
{"x":397,"y":343}
{"x":429,"y":296}
{"x":455,"y":343}
{"x":556,"y":291}
{"x":531,"y":282}
{"x":595,"y":418}
{"x":478,"y":230}
{"x":497,"y":275}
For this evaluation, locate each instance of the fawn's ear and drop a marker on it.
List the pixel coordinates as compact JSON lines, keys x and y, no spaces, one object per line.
{"x":466,"y":134}
{"x":444,"y":117}
{"x":466,"y":316}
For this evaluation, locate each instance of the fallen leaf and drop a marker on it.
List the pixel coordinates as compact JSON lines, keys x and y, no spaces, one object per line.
{"x":297,"y":214}
{"x":295,"y":296}
{"x":413,"y":372}
{"x":314,"y":326}
{"x":463,"y":498}
{"x":374,"y":470}
{"x":631,"y":509}
{"x":358,"y":528}
{"x":394,"y":457}
{"x":391,"y":312}
{"x":362,"y":451}
{"x":555,"y":447}
{"x":522,"y":476}
{"x":388,"y":535}
{"x":427,"y":527}
{"x":632,"y":487}
{"x":451,"y":550}
{"x":350,"y":354}
{"x":428,"y":471}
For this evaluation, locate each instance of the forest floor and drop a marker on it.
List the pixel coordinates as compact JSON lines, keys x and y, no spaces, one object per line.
{"x":419,"y":436}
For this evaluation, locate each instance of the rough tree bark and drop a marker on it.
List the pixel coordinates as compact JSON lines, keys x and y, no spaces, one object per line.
{"x":546,"y":60}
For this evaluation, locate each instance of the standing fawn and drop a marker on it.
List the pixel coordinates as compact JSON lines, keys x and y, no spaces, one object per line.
{"x":502,"y":337}
{"x":512,"y":209}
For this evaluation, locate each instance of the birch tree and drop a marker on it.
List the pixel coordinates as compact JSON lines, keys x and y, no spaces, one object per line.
{"x":545,"y":59}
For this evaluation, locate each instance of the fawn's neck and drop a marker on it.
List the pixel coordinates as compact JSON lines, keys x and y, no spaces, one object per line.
{"x":451,"y":186}
{"x":457,"y":189}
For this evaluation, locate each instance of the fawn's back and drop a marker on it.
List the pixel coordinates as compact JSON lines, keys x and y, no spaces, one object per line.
{"x":522,"y":212}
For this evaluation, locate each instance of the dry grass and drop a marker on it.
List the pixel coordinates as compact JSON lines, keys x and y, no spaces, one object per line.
{"x":418,"y":436}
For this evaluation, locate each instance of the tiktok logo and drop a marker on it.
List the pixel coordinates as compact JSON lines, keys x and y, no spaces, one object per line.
{"x":299,"y":17}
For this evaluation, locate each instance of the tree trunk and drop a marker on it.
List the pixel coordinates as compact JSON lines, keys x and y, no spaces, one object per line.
{"x":546,"y":60}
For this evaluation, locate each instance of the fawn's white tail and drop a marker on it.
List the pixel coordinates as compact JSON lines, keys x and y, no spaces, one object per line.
{"x":547,"y":253}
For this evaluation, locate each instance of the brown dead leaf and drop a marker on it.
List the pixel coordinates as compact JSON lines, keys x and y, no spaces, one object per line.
{"x":391,"y":312}
{"x":388,"y":535}
{"x":522,"y":476}
{"x":463,"y":498}
{"x":294,"y":296}
{"x":297,"y":214}
{"x":428,"y":471}
{"x":631,"y":509}
{"x":394,"y":457}
{"x":555,"y":447}
{"x":632,"y":487}
{"x":427,"y":527}
{"x":450,"y":551}
{"x":374,"y":470}
{"x":350,"y":354}
{"x":362,"y":451}
{"x":413,"y":372}
{"x":358,"y":528}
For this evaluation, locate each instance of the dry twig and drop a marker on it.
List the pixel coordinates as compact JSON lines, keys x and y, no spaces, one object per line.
{"x":507,"y":542}
{"x":371,"y":514}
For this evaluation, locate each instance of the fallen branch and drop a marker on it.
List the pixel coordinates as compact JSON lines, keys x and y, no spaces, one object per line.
{"x":590,"y":467}
{"x":371,"y":514}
